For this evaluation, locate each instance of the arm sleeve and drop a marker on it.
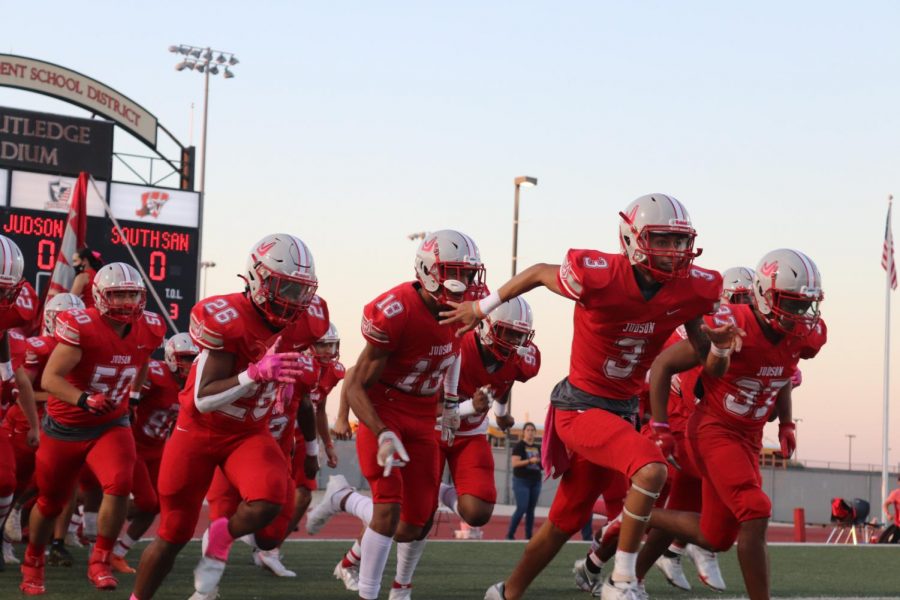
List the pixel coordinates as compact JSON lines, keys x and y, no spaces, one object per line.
{"x":208,"y":404}
{"x":451,"y":379}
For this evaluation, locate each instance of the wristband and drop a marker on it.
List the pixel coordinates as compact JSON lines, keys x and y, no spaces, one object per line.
{"x":312,"y":448}
{"x":720,"y":352}
{"x":329,"y":444}
{"x":6,"y":370}
{"x":488,"y":304}
{"x":654,"y":424}
{"x":134,"y":398}
{"x":466,"y":409}
{"x":244,"y":378}
{"x":82,"y":400}
{"x":500,"y":409}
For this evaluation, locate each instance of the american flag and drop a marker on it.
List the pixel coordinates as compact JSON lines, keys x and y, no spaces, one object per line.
{"x":887,"y":254}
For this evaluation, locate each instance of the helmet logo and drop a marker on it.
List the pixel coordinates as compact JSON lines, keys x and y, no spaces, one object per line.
{"x":769,"y":269}
{"x":264,"y":248}
{"x":428,"y":245}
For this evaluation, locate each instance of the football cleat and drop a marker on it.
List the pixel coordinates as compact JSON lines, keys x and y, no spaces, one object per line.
{"x":348,"y":575}
{"x":208,"y":572}
{"x":271,"y":560}
{"x":120,"y":565}
{"x":400,"y":591}
{"x":496,"y":592}
{"x":99,"y":571}
{"x":584,"y":579}
{"x":213,"y":595}
{"x":32,"y":576}
{"x":621,"y":590}
{"x":59,"y":556}
{"x":707,"y":567}
{"x":673,"y":571}
{"x":13,"y":526}
{"x":9,"y":556}
{"x":329,"y":506}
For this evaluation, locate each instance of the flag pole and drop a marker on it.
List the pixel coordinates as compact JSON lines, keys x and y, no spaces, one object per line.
{"x":887,"y":365}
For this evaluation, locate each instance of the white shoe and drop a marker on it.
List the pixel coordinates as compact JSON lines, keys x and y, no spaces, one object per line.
{"x":271,"y":559}
{"x":324,"y":510}
{"x":13,"y":526}
{"x":584,"y":579}
{"x":211,"y":596}
{"x":673,"y":572}
{"x":349,"y":575}
{"x":8,"y":556}
{"x":707,"y":567}
{"x":72,"y":540}
{"x":400,"y":593}
{"x":495,"y":592}
{"x":208,"y":572}
{"x":622,"y":590}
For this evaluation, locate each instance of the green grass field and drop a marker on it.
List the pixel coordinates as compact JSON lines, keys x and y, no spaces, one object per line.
{"x":463,"y":570}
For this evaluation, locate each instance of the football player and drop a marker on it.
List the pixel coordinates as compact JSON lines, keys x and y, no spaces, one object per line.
{"x":627,"y":305}
{"x":18,"y":429}
{"x":393,"y":389}
{"x":724,"y":435}
{"x":249,"y":342}
{"x":102,"y":353}
{"x":155,"y":409}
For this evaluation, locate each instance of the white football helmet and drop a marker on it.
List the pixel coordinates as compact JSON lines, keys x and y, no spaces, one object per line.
{"x":787,"y":288}
{"x":12,"y":270}
{"x":663,"y":215}
{"x":57,"y":304}
{"x":508,"y":328}
{"x":327,"y":349}
{"x":180,"y":353}
{"x":737,"y":285}
{"x":281,"y":277}
{"x":119,"y":292}
{"x":448,"y":265}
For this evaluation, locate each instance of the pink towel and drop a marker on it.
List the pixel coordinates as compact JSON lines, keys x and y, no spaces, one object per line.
{"x":554,"y":454}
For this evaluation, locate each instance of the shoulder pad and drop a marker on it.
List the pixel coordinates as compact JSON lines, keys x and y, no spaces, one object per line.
{"x":215,"y":322}
{"x":27,"y":302}
{"x":529,"y":363}
{"x":584,"y":270}
{"x":156,"y":325}
{"x":707,"y":284}
{"x":814,"y":341}
{"x":339,"y":370}
{"x":74,"y":326}
{"x":385,"y":318}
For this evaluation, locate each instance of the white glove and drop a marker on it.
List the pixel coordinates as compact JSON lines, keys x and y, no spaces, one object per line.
{"x":450,"y":419}
{"x":6,"y":371}
{"x":391,"y":452}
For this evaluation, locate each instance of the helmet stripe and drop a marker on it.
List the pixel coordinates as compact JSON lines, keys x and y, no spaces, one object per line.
{"x":470,"y":245}
{"x":811,"y":280}
{"x":6,"y":256}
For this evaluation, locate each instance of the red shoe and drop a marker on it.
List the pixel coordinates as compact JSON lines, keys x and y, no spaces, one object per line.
{"x":32,"y":575}
{"x":100,"y":572}
{"x":120,"y":565}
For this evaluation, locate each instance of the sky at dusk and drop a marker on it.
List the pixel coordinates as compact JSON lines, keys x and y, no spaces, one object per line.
{"x":354,"y":124}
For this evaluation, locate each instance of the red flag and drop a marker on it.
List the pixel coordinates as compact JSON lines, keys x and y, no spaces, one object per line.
{"x":73,"y":238}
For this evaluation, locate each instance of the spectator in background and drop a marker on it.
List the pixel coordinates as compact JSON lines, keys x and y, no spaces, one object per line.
{"x":891,"y":534}
{"x":527,"y":475}
{"x":86,"y":262}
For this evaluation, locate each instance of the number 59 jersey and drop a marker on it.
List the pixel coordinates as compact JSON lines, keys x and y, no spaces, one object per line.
{"x":421,"y":348}
{"x":745,"y":396}
{"x":231,"y":323}
{"x":618,"y":332}
{"x":109,"y":364}
{"x":156,"y":412}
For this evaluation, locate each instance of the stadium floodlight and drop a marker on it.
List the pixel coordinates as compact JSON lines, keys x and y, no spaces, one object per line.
{"x":190,"y":64}
{"x":207,"y":56}
{"x":180,"y":66}
{"x":233,"y":60}
{"x":227,"y":74}
{"x":214,"y":70}
{"x":201,"y":67}
{"x":195,"y":52}
{"x":173,"y":48}
{"x":220,"y":59}
{"x":523,"y":181}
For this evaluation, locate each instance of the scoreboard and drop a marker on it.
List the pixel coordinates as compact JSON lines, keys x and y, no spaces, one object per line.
{"x":160,"y":224}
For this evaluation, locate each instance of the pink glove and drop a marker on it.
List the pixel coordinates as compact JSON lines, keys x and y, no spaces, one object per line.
{"x":282,"y":397}
{"x":787,"y":435}
{"x":97,"y":404}
{"x":283,"y":367}
{"x":661,"y":435}
{"x":796,"y":378}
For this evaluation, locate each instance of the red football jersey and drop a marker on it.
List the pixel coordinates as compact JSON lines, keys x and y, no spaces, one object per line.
{"x":473,"y":375}
{"x":109,"y":364}
{"x":328,"y":376}
{"x":745,"y":396}
{"x":421,"y":349}
{"x":8,"y":390}
{"x":37,"y":351}
{"x":232,"y":324}
{"x":617,"y":332}
{"x":24,"y":312}
{"x":156,"y":412}
{"x":283,"y":419}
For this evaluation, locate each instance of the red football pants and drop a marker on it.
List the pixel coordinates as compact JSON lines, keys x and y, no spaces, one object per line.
{"x":58,"y":465}
{"x":602,"y":445}
{"x":471,"y":465}
{"x":253,"y":463}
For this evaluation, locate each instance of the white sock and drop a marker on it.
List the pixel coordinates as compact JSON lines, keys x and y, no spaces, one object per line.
{"x":448,"y":496}
{"x":351,"y":559}
{"x":5,"y":507}
{"x":624,"y":569}
{"x":75,"y":521}
{"x":90,"y":524}
{"x":359,"y":506}
{"x":375,"y":549}
{"x":595,"y":560}
{"x":408,"y":555}
{"x":123,"y":545}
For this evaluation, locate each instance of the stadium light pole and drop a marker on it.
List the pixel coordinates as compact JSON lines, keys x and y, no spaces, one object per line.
{"x":526,"y":181}
{"x":797,"y":422}
{"x":850,"y":437}
{"x":206,"y":265}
